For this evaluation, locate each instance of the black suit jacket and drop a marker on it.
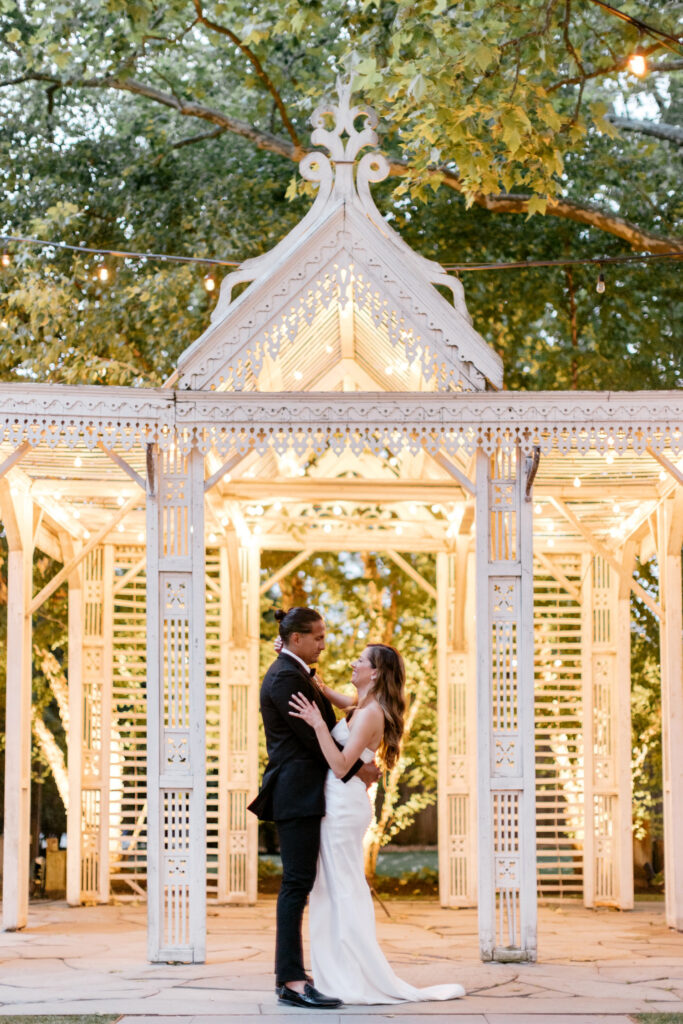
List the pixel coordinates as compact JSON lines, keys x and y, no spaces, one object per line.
{"x":294,"y":779}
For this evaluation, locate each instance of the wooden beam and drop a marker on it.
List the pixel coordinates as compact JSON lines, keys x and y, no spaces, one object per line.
{"x":557,"y":574}
{"x":122,"y":464}
{"x":237,"y":624}
{"x":14,"y":457}
{"x":64,"y":573}
{"x":453,"y":470}
{"x":121,"y":581}
{"x":225,"y":468}
{"x":605,"y":553}
{"x":675,"y":538}
{"x":673,"y":470}
{"x":9,"y":517}
{"x":413,"y":573}
{"x":288,"y":567}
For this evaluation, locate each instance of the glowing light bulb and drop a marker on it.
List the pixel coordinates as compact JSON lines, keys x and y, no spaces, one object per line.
{"x":577,"y":481}
{"x":212,"y":538}
{"x":78,"y":462}
{"x":327,"y":528}
{"x":210,"y":283}
{"x":5,"y":259}
{"x":103,"y":273}
{"x":277,"y":505}
{"x":662,"y":474}
{"x":609,"y":458}
{"x":551,"y":542}
{"x":600,"y":286}
{"x":298,"y":375}
{"x":615,"y":509}
{"x":120,"y":527}
{"x":337,"y":510}
{"x":399,"y":529}
{"x":86,"y":534}
{"x":76,"y":514}
{"x":637,"y":64}
{"x":141,"y":536}
{"x":120,"y":500}
{"x":389,"y":370}
{"x":538,"y":508}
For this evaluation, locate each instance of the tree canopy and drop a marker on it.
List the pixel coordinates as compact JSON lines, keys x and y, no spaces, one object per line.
{"x":172,"y":127}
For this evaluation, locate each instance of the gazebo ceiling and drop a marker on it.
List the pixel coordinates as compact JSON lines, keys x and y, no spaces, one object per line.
{"x":394,"y":498}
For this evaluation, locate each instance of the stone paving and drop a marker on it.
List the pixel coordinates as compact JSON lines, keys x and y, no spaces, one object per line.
{"x":595,"y":967}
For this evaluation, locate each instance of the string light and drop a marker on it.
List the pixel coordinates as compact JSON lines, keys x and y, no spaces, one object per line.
{"x":5,"y":259}
{"x":78,"y":462}
{"x":103,"y":274}
{"x":577,"y":481}
{"x":538,"y":508}
{"x":600,"y":286}
{"x":637,"y":64}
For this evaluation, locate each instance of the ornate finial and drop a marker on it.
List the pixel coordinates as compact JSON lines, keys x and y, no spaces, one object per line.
{"x":344,"y":141}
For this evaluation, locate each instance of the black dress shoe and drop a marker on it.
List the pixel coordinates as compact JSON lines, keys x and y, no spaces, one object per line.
{"x":310,"y":998}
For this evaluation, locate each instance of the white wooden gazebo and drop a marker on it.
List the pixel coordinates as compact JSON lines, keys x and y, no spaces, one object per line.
{"x":342,"y":403}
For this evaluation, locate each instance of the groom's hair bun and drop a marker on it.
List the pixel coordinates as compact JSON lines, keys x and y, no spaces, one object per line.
{"x":279,"y":614}
{"x":296,"y":620}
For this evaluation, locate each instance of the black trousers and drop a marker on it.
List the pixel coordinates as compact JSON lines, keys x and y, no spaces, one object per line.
{"x":299,"y":846}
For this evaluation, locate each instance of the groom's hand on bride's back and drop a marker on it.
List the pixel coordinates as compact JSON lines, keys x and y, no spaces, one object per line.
{"x":369,"y":774}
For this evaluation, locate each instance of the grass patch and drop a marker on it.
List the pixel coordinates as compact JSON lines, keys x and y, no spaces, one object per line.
{"x":658,"y":1018}
{"x":61,"y":1018}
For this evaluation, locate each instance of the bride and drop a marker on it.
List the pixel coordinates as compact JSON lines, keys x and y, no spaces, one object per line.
{"x":346,"y":957}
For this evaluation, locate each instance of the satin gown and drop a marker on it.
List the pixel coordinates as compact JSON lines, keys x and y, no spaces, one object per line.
{"x":346,"y":958}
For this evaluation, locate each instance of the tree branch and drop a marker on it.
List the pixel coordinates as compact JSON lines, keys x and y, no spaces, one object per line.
{"x":667,"y":132}
{"x":258,"y":68}
{"x":569,"y":209}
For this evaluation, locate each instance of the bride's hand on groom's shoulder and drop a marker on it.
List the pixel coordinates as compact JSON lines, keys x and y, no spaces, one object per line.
{"x":304,"y":709}
{"x":278,"y":644}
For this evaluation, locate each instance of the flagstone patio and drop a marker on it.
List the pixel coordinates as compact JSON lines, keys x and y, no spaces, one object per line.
{"x":594,"y":966}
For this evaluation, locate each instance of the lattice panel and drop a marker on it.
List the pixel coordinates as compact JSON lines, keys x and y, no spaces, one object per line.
{"x":602,"y":604}
{"x":457,"y":718}
{"x":128,"y":790}
{"x":607,"y":781}
{"x":174,"y":506}
{"x":504,"y":611}
{"x":176,"y":868}
{"x":558,"y":729}
{"x":502,"y":505}
{"x":90,"y":854}
{"x":604,"y":809}
{"x":459,"y":845}
{"x":213,"y":680}
{"x":91,"y":728}
{"x":507,"y":866}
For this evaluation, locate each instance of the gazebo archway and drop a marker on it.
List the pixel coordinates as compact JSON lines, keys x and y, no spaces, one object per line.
{"x":340,"y":357}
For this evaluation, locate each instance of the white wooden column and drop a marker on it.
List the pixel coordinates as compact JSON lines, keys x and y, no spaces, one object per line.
{"x":606,"y":657}
{"x":176,"y":707}
{"x":669,"y":540}
{"x":505,"y":719}
{"x":239,"y":688}
{"x":74,"y":817}
{"x":18,"y":522}
{"x":90,"y":683}
{"x":457,"y":726}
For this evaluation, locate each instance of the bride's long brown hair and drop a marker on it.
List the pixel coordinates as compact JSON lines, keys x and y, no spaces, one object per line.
{"x":389,"y":691}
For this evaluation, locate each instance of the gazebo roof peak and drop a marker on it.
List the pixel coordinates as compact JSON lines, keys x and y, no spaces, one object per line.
{"x":342,"y":253}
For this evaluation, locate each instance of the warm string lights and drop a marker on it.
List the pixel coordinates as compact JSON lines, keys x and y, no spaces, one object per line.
{"x":103,"y":272}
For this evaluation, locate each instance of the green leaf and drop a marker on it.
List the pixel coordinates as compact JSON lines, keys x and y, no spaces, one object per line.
{"x":537,"y":204}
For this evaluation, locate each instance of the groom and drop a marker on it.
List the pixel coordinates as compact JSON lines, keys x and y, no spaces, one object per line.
{"x":292,"y":794}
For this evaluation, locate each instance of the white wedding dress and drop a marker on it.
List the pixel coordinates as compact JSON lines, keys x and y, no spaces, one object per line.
{"x":346,"y":959}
